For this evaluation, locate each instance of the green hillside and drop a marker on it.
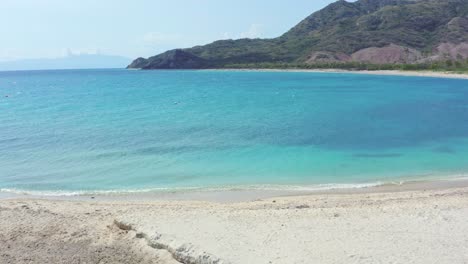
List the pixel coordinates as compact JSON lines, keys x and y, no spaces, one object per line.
{"x":366,"y":31}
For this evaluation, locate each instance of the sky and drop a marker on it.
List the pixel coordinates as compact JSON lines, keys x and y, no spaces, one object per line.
{"x":138,"y":28}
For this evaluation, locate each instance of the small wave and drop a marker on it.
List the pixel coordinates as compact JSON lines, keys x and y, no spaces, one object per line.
{"x":58,"y":193}
{"x":298,"y":188}
{"x":229,"y":188}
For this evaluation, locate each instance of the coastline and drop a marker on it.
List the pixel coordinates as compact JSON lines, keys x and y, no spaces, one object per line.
{"x":432,"y":74}
{"x":411,"y":226}
{"x":236,"y":194}
{"x":419,"y":221}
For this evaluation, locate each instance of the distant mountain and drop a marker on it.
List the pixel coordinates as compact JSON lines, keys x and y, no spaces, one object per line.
{"x":370,"y":31}
{"x":82,"y":61}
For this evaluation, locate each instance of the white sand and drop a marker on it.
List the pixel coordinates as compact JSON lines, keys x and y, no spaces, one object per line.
{"x":396,"y":227}
{"x":450,"y":75}
{"x":433,"y":74}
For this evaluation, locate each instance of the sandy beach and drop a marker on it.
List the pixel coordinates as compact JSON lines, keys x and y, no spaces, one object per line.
{"x":406,"y":226}
{"x":433,"y":74}
{"x":450,"y":75}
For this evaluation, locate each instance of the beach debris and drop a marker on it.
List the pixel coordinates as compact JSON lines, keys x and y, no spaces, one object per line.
{"x":122,"y":225}
{"x":304,"y":206}
{"x":336,"y":215}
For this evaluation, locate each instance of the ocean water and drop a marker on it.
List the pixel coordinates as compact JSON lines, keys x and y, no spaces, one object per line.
{"x":122,"y":130}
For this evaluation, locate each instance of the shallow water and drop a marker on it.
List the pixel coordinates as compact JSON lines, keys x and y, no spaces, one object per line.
{"x":89,"y":130}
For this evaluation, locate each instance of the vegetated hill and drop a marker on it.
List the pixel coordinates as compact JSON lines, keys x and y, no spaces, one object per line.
{"x":367,"y":31}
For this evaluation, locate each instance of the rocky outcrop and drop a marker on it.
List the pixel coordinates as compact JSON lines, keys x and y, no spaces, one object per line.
{"x":394,"y":54}
{"x":453,"y":51}
{"x":375,"y":55}
{"x":388,"y":54}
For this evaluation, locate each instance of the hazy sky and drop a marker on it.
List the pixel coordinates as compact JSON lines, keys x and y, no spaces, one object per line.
{"x":133,"y":28}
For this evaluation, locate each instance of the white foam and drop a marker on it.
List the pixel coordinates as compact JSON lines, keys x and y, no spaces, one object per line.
{"x":299,"y":188}
{"x":232,"y":188}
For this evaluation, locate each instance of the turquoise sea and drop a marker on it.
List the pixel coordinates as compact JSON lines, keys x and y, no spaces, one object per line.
{"x":122,"y":130}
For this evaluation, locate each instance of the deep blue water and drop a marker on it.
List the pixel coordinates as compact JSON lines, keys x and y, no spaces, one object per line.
{"x":128,"y":130}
